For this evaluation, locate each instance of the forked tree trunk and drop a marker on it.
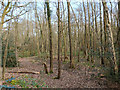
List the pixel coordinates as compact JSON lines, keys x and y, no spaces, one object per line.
{"x":6,"y":10}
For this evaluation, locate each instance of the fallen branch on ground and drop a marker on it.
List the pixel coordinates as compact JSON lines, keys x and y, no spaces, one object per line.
{"x":28,"y":72}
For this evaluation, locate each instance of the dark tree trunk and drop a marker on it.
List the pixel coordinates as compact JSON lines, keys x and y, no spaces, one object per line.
{"x":70,"y":39}
{"x":50,"y":37}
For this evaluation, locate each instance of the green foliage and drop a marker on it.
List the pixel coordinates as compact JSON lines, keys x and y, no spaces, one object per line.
{"x":27,"y":81}
{"x":24,"y":54}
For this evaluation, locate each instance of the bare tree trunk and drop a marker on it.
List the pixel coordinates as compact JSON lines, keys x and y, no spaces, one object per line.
{"x":92,"y":60}
{"x":85,"y":35}
{"x":59,"y":42}
{"x":70,"y":39}
{"x":111,"y":15}
{"x":16,"y":38}
{"x":101,"y":32}
{"x":75,"y":34}
{"x":6,"y":10}
{"x":110,"y":40}
{"x":119,"y":37}
{"x":5,"y":54}
{"x":64,"y":33}
{"x":50,"y":37}
{"x":105,"y":37}
{"x":89,"y":27}
{"x":37,"y":31}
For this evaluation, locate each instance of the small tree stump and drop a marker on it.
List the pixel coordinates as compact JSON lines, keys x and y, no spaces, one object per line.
{"x":45,"y":66}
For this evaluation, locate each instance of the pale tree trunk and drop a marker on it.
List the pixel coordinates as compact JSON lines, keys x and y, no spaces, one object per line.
{"x":75,"y":34}
{"x":70,"y":38}
{"x":110,"y":40}
{"x":50,"y":37}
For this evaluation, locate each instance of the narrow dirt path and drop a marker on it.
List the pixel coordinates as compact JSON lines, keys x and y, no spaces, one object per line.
{"x":80,"y":77}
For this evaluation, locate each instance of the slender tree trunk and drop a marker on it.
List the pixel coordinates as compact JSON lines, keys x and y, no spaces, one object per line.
{"x":96,"y":29}
{"x":105,"y":37}
{"x":5,"y":54}
{"x":89,"y":27}
{"x":75,"y":40}
{"x":64,"y":33}
{"x":59,"y":43}
{"x":50,"y":37}
{"x":101,"y":32}
{"x":16,"y":38}
{"x":85,"y":35}
{"x":75,"y":34}
{"x":111,"y":16}
{"x":70,"y":38}
{"x":37,"y":31}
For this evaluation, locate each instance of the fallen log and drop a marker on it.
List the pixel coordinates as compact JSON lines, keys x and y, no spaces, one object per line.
{"x":26,"y":72}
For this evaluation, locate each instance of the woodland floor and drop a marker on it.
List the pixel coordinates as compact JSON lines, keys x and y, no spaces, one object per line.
{"x":80,"y":77}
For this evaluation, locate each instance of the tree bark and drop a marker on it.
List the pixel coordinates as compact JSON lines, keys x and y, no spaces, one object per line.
{"x":113,"y":61}
{"x":92,"y":60}
{"x":59,"y":42}
{"x":5,"y":54}
{"x":70,"y":38}
{"x":119,"y":37}
{"x":50,"y":37}
{"x":85,"y":35}
{"x":101,"y":32}
{"x":89,"y":27}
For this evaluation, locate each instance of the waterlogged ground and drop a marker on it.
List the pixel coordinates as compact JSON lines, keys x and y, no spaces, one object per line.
{"x":83,"y":76}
